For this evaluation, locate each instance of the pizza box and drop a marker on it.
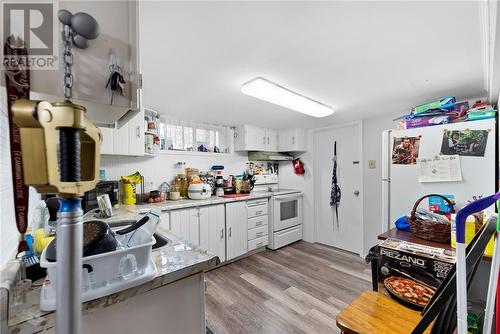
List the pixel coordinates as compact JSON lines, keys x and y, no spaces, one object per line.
{"x":408,"y":261}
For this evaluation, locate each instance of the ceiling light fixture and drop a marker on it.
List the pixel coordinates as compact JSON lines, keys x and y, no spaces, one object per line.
{"x":271,"y":92}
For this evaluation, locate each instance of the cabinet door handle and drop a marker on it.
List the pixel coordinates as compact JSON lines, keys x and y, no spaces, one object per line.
{"x":267,"y":140}
{"x":293,"y":139}
{"x":230,"y":232}
{"x":259,"y":223}
{"x":259,"y":244}
{"x":259,"y":234}
{"x":222,"y":234}
{"x":138,"y":131}
{"x":258,"y":212}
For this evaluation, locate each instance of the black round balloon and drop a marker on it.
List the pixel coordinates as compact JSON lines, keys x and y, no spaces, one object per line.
{"x":85,"y":25}
{"x":64,"y":16}
{"x":80,"y":42}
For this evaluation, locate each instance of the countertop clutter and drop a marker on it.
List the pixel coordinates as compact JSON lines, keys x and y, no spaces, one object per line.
{"x":177,"y":260}
{"x":189,"y":203}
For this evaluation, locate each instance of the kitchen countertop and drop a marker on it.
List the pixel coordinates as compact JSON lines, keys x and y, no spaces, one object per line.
{"x":177,"y":260}
{"x":189,"y":203}
{"x":129,"y":212}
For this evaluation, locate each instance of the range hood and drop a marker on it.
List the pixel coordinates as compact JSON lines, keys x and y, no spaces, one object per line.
{"x":268,"y":156}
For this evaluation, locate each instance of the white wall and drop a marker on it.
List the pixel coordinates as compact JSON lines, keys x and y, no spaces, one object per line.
{"x":162,"y":167}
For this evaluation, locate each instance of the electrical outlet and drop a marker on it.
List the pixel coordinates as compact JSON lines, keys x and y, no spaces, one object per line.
{"x":371,"y":164}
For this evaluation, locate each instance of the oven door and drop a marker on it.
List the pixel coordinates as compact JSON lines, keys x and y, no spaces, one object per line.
{"x":287,"y":211}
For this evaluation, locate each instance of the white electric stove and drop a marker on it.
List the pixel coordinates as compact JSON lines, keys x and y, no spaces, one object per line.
{"x":285,"y":213}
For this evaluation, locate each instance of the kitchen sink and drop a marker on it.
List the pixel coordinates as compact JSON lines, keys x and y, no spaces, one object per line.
{"x":161,"y":241}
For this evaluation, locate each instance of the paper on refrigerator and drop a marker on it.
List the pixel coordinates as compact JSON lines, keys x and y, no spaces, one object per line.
{"x":441,"y":168}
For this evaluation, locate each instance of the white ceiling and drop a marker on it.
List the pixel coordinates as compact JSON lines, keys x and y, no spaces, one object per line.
{"x":362,"y":58}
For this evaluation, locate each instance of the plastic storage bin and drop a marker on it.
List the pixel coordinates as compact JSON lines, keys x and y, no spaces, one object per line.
{"x":104,"y":274}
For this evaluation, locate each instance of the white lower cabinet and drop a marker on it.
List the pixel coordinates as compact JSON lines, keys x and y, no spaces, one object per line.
{"x":204,"y":226}
{"x":184,"y":223}
{"x":165,"y":220}
{"x":257,"y":224}
{"x":213,"y":230}
{"x":226,"y":230}
{"x":236,"y":229}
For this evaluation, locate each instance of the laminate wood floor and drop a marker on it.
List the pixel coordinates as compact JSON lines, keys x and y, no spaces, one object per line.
{"x":299,"y":288}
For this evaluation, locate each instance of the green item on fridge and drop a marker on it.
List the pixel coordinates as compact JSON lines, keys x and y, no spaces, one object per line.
{"x":446,"y":102}
{"x":483,"y":114}
{"x":428,"y":106}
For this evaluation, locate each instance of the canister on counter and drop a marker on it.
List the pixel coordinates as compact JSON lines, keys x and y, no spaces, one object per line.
{"x":128,"y":193}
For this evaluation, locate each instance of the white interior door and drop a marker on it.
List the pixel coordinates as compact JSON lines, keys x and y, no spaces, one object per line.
{"x":349,"y":233}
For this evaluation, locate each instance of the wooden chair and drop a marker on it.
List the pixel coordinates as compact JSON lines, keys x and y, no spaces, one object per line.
{"x":376,"y":313}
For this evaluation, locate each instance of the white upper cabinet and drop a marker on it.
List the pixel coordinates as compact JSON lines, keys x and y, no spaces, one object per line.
{"x":291,"y":140}
{"x":250,"y":138}
{"x":118,"y":39}
{"x":136,"y":134}
{"x":120,"y":140}
{"x":271,"y":140}
{"x":253,"y":138}
{"x":117,"y":25}
{"x":107,"y":140}
{"x":125,"y":140}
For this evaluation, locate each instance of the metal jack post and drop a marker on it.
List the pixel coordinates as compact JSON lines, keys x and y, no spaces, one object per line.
{"x":60,"y":148}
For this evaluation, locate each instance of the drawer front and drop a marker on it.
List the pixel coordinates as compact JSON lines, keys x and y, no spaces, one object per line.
{"x":257,"y":232}
{"x":287,"y":236}
{"x":257,"y":208}
{"x":257,"y":243}
{"x":257,"y":221}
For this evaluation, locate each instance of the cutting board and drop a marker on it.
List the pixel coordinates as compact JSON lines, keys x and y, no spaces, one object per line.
{"x":235,"y":195}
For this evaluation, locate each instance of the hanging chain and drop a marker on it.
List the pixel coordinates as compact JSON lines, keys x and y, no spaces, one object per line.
{"x":68,"y":63}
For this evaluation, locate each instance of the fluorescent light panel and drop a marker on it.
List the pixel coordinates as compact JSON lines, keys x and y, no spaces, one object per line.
{"x":266,"y":90}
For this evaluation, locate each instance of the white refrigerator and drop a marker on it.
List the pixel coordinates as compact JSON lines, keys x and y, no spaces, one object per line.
{"x":400,"y":183}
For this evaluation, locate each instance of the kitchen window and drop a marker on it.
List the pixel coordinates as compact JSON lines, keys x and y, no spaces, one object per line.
{"x":177,"y":135}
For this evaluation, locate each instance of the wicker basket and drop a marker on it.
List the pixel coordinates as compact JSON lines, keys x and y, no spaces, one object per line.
{"x":428,"y":229}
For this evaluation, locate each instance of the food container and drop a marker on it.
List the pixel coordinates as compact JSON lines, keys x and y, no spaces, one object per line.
{"x":199,"y":191}
{"x":175,"y":195}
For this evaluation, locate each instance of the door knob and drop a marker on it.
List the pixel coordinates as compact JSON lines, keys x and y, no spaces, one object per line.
{"x":356,"y":192}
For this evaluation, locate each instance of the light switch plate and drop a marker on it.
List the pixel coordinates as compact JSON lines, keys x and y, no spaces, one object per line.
{"x":371,"y":164}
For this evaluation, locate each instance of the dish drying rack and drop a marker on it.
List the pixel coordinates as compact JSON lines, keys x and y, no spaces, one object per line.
{"x":103,"y":274}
